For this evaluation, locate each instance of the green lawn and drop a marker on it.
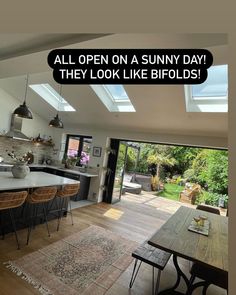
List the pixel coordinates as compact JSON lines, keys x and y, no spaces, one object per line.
{"x":171,"y":191}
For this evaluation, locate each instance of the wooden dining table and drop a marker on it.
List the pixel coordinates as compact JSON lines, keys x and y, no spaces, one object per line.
{"x":174,"y":237}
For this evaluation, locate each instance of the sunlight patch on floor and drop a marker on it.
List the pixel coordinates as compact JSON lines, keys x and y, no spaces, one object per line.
{"x":114,"y":214}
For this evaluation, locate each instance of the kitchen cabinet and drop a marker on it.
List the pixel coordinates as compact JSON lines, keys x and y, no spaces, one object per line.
{"x":84,"y":180}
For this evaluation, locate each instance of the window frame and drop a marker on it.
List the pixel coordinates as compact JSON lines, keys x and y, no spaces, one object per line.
{"x":81,"y":144}
{"x":110,"y":102}
{"x":215,"y":104}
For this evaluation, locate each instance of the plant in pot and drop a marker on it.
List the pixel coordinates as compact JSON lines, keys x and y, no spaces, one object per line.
{"x":20,"y":168}
{"x":71,"y":161}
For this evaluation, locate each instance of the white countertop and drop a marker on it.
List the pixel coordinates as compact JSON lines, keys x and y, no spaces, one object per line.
{"x":55,"y":167}
{"x":5,"y":165}
{"x":33,"y":179}
{"x":69,"y":170}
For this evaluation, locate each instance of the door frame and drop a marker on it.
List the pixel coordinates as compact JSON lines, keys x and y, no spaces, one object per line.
{"x":111,"y":170}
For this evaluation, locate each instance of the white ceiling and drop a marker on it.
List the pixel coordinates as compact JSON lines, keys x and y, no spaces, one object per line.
{"x":159,"y":108}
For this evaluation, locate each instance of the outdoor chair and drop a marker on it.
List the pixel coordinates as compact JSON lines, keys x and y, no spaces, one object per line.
{"x":189,"y":195}
{"x":208,"y":208}
{"x":69,"y":190}
{"x":206,"y":274}
{"x":153,"y":256}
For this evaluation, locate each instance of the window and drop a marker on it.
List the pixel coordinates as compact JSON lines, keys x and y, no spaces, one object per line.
{"x":210,"y":96}
{"x":114,"y":97}
{"x":78,"y":146}
{"x":117,"y":92}
{"x":51,"y":96}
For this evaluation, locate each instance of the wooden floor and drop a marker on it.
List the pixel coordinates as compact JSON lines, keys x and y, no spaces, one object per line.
{"x":133,"y":218}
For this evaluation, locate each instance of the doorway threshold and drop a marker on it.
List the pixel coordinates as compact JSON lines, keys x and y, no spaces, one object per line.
{"x":82,"y":203}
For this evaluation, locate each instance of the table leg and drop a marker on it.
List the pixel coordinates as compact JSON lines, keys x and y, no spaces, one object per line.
{"x":180,"y":275}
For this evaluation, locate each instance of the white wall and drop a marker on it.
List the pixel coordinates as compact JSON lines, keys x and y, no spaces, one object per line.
{"x":31,"y":128}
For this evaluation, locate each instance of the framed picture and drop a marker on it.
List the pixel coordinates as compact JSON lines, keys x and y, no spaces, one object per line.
{"x":97,"y":151}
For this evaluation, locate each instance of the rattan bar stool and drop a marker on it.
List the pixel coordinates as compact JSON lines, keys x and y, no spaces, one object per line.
{"x":39,"y":197}
{"x":69,"y":190}
{"x":9,"y":201}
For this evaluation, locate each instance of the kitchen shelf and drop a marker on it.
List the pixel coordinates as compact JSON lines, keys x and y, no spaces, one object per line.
{"x":43,"y":143}
{"x":32,"y":141}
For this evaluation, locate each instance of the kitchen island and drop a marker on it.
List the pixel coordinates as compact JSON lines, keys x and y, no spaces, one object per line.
{"x":31,"y":181}
{"x":83,"y":177}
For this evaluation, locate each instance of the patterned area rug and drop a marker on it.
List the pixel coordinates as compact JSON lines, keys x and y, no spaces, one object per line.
{"x":87,"y":263}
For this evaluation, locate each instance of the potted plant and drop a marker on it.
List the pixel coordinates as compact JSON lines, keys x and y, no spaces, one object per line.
{"x":20,"y":168}
{"x":71,"y":161}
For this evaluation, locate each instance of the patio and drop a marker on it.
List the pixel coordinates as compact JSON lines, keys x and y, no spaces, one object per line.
{"x":153,"y":202}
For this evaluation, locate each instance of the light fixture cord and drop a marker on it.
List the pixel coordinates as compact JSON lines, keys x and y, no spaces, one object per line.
{"x":26,"y":87}
{"x":60,"y":87}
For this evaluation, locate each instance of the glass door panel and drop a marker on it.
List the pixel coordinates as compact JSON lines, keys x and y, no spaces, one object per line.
{"x":119,"y":173}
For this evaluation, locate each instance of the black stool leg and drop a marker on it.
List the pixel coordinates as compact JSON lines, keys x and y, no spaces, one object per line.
{"x":23,"y":209}
{"x":2,"y":226}
{"x":30,"y":222}
{"x":28,"y":234}
{"x":32,"y":218}
{"x":50,"y":204}
{"x":60,"y":209}
{"x":35,"y":215}
{"x":71,"y":215}
{"x":134,"y":274}
{"x":14,"y":227}
{"x":46,"y":220}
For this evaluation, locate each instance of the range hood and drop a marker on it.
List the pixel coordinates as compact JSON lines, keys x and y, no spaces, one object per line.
{"x":15,"y":129}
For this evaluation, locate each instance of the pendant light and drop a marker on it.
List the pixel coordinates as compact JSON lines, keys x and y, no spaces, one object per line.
{"x":23,"y":111}
{"x":57,"y":122}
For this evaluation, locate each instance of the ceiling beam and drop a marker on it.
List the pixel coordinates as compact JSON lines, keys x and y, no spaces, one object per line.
{"x":41,"y":42}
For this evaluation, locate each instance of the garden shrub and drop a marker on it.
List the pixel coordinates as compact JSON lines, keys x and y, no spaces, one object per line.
{"x":212,"y":199}
{"x":179,"y":180}
{"x":189,"y":175}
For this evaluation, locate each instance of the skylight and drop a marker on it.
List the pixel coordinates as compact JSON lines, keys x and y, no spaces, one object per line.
{"x":114,"y":97}
{"x":117,"y":92}
{"x":51,"y":96}
{"x":210,"y":96}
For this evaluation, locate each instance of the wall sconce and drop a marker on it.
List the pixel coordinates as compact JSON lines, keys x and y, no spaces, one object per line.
{"x":110,"y":151}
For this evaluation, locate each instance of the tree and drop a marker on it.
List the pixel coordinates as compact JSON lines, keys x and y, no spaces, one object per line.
{"x":158,"y":160}
{"x":211,"y":170}
{"x":130,"y":160}
{"x":159,"y":156}
{"x":216,"y":174}
{"x":184,"y":157}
